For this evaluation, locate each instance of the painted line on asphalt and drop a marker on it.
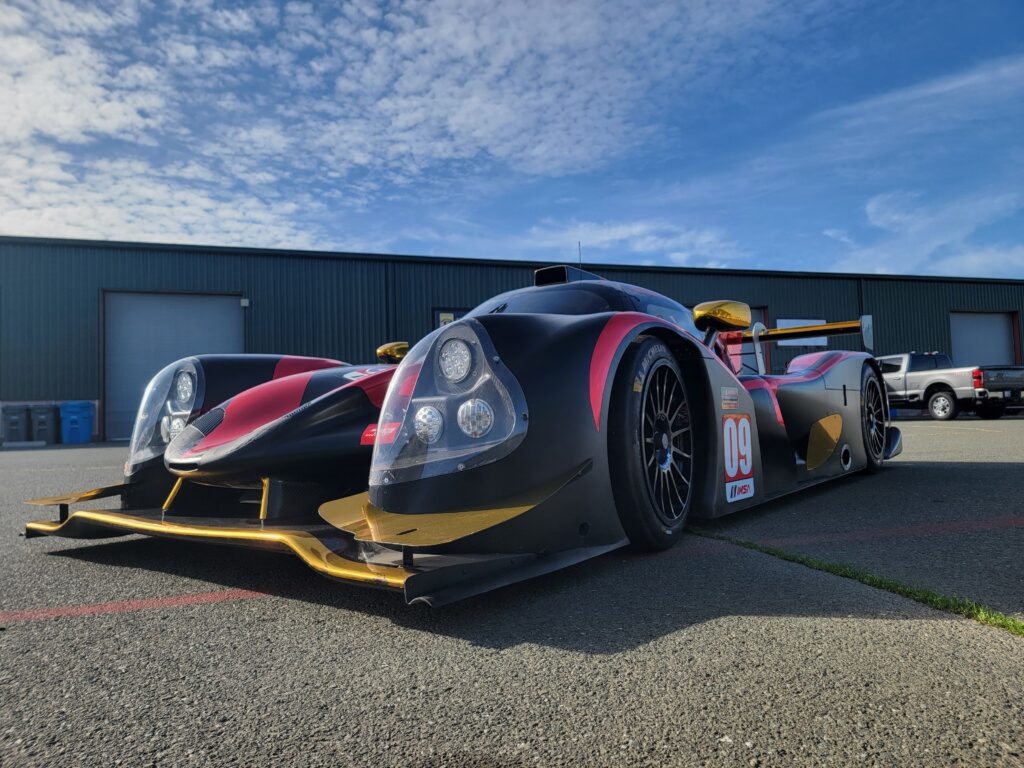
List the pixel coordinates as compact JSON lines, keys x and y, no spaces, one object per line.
{"x":128,"y":606}
{"x":901,"y":531}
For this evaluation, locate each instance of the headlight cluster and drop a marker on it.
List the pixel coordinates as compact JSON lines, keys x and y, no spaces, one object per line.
{"x":170,"y":399}
{"x":451,"y":405}
{"x":178,"y":406}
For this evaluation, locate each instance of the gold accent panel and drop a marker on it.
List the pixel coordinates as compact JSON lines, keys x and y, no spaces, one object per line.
{"x":308,"y":547}
{"x":393,"y":351}
{"x":74,"y":498}
{"x":265,"y":498}
{"x":722,"y":315}
{"x":173,"y":493}
{"x":823,"y":440}
{"x":356,"y":515}
{"x":807,"y":331}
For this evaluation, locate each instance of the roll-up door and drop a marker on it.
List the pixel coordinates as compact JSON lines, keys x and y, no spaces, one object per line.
{"x":143,"y":332}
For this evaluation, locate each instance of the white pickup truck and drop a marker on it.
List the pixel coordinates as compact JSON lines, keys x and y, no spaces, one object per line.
{"x":929,"y":380}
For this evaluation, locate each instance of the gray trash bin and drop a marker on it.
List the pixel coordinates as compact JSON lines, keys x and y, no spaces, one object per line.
{"x":45,"y":423}
{"x":15,"y":424}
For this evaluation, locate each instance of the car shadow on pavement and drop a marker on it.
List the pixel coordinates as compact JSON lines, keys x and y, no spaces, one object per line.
{"x":617,"y":602}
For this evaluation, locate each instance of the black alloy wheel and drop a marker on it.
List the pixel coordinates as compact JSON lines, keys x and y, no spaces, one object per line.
{"x":873,"y":418}
{"x":667,"y":443}
{"x":651,"y":440}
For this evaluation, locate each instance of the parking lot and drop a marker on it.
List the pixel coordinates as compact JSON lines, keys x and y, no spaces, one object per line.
{"x":136,"y":651}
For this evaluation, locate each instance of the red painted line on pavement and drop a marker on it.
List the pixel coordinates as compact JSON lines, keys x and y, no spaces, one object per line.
{"x":918,"y":529}
{"x":127,"y":606}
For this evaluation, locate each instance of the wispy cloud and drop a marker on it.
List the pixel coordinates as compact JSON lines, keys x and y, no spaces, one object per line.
{"x":343,"y":103}
{"x":882,"y":138}
{"x":920,"y":238}
{"x":633,"y":241}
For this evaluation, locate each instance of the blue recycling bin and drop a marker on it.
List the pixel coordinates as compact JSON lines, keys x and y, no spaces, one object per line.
{"x":76,"y":421}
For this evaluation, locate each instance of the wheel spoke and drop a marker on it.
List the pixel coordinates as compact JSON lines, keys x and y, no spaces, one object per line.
{"x":682,"y":477}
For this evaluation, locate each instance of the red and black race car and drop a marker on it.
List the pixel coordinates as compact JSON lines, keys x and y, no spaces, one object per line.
{"x":550,"y":425}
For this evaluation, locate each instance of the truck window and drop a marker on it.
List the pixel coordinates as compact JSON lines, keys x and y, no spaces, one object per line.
{"x":891,"y":366}
{"x":943,"y":361}
{"x":922,"y":363}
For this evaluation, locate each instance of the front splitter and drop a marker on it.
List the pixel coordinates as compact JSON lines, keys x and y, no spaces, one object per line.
{"x":84,"y":524}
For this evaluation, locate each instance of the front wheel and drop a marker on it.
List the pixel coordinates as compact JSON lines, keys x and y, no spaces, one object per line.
{"x":651,"y":445}
{"x":943,"y":406}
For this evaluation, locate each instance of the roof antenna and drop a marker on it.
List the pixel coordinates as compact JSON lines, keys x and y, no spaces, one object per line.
{"x":579,"y":247}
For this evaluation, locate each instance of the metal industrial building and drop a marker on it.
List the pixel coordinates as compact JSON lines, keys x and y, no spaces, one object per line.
{"x":93,"y":320}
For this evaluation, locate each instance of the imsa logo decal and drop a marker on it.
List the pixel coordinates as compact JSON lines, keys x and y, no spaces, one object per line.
{"x":737,"y":443}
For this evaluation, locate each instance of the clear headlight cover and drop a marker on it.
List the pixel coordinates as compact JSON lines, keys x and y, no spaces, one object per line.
{"x":167,"y":405}
{"x":423,"y":381}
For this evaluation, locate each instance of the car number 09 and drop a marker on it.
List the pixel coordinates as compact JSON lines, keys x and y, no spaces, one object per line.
{"x":737,"y":440}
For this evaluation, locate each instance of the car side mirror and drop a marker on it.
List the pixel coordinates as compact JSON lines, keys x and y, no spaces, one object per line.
{"x":393,"y":351}
{"x":721,"y":316}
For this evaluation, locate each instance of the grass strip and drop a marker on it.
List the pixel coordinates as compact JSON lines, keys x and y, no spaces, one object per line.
{"x":967,"y":608}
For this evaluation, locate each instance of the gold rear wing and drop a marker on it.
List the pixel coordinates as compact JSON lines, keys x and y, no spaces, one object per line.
{"x":864,"y":327}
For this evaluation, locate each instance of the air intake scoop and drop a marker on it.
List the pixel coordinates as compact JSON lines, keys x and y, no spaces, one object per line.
{"x":561,"y":273}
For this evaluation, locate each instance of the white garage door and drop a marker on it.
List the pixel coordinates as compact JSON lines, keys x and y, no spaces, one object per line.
{"x":982,"y":338}
{"x":143,"y":332}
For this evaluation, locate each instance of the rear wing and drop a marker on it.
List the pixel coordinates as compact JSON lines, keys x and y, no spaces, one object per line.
{"x":864,"y":327}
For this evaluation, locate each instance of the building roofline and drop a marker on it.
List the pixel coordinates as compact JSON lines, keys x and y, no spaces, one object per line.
{"x":527,"y":263}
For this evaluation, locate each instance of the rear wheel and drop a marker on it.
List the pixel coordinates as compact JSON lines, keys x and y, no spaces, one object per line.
{"x":872,"y":418}
{"x":990,"y":411}
{"x":942,"y":405}
{"x":651,"y":445}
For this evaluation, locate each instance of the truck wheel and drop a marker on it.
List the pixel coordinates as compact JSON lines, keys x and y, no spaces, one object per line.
{"x":651,"y":445}
{"x":942,"y":405}
{"x":990,"y":411}
{"x":872,"y":419}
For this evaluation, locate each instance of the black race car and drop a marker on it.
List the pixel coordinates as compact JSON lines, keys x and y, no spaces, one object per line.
{"x":550,"y":425}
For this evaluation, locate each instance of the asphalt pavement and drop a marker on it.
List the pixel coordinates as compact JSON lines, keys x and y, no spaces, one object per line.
{"x":144,"y":652}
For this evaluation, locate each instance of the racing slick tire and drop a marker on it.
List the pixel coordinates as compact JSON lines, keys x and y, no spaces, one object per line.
{"x":990,"y":411}
{"x":942,"y":405}
{"x":872,"y":418}
{"x":651,"y":442}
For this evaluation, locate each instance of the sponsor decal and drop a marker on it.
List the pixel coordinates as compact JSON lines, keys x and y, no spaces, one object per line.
{"x":730,"y":398}
{"x":737,"y":442}
{"x":362,"y":373}
{"x":369,"y":435}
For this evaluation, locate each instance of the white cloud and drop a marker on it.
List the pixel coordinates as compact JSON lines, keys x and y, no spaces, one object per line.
{"x":136,"y":201}
{"x":921,"y":238}
{"x":633,"y":240}
{"x":878,"y":139}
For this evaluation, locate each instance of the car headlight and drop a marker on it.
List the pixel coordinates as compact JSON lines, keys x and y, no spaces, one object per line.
{"x":453,"y":376}
{"x":184,"y":389}
{"x":476,"y":417}
{"x":172,"y":398}
{"x":455,"y":359}
{"x":428,"y":424}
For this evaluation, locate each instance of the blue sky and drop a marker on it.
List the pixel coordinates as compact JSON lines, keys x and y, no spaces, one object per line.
{"x":765,"y":134}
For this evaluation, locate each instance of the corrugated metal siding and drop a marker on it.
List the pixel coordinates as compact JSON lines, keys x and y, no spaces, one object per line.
{"x":344,"y":305}
{"x":420,"y":288}
{"x":911,"y":315}
{"x":50,"y":301}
